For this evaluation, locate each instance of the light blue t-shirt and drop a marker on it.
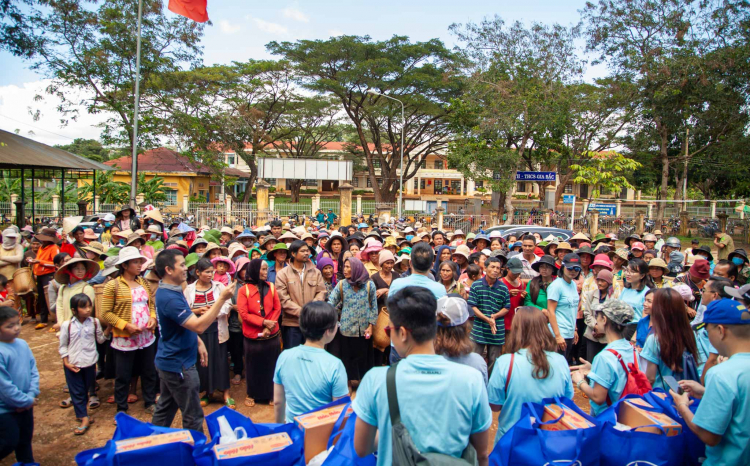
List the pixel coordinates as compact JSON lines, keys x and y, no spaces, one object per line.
{"x":705,"y":348}
{"x":472,"y":360}
{"x":651,"y":352}
{"x":19,"y":377}
{"x":607,"y":372}
{"x":725,"y":411}
{"x":311,"y":377}
{"x":442,"y":404}
{"x":524,"y":386}
{"x":417,"y":280}
{"x":566,"y":295}
{"x":635,"y":299}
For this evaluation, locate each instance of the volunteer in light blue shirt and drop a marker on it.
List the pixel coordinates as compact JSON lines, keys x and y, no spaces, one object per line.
{"x":723,"y":415}
{"x":537,"y":371}
{"x":606,"y":374}
{"x":443,"y":404}
{"x":562,"y":304}
{"x":307,"y":376}
{"x":637,"y":282}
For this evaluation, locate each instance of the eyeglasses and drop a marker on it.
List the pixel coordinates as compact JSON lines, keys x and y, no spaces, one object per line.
{"x":574,"y":269}
{"x":389,"y":328}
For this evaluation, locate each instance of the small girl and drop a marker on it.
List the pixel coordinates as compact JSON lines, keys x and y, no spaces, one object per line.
{"x":78,"y":339}
{"x":223,"y":270}
{"x":472,"y":275}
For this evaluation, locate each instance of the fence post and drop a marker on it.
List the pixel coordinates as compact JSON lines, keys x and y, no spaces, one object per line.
{"x":261,"y":196}
{"x":713,"y":209}
{"x":345,"y":204}
{"x":185,"y":203}
{"x":440,"y":216}
{"x":228,"y":201}
{"x":639,"y":222}
{"x":594,"y":225}
{"x":650,"y":209}
{"x":272,"y":202}
{"x":13,"y":213}
{"x":684,"y":227}
{"x":585,"y":206}
{"x":359,"y":204}
{"x":618,"y":210}
{"x":722,"y":221}
{"x":97,"y":203}
{"x":742,"y":212}
{"x":315,"y":204}
{"x":56,"y":205}
{"x":546,"y":219}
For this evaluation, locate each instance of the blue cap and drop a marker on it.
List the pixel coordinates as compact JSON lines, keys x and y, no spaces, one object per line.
{"x":362,"y":225}
{"x":517,"y":244}
{"x":727,"y":312}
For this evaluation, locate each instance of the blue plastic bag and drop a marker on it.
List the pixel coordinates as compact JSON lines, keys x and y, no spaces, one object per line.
{"x":526,"y":444}
{"x":620,"y":448}
{"x":694,"y":446}
{"x":289,"y":456}
{"x":130,"y":427}
{"x":343,"y":453}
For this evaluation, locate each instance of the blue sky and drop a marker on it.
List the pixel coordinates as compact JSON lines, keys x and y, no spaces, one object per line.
{"x":241,"y":29}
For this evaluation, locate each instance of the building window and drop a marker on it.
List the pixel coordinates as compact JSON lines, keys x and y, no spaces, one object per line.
{"x":568,"y":188}
{"x":423,"y":163}
{"x":369,"y":182}
{"x":355,"y":182}
{"x":231,"y":159}
{"x":379,"y":181}
{"x":171,"y":197}
{"x":416,"y":183}
{"x":438,"y":185}
{"x":479,"y":184}
{"x":521,"y":188}
{"x":438,"y":164}
{"x":376,"y":164}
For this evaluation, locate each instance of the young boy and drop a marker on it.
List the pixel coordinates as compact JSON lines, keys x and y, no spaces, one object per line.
{"x":724,"y":413}
{"x":19,"y":387}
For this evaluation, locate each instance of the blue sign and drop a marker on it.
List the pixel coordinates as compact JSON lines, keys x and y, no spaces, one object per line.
{"x":568,"y":198}
{"x":535,"y":176}
{"x":604,"y":209}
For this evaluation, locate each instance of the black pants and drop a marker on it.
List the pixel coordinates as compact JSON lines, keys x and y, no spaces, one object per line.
{"x":41,"y":302}
{"x":568,"y":349}
{"x":179,"y":391}
{"x":16,"y":431}
{"x":292,"y":336}
{"x":236,"y":348}
{"x":493,"y":352}
{"x":579,"y":349}
{"x":593,"y":348}
{"x":79,"y":385}
{"x":125,"y":361}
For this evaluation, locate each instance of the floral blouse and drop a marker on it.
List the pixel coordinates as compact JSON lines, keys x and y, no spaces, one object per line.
{"x":140,"y":315}
{"x":360,"y":308}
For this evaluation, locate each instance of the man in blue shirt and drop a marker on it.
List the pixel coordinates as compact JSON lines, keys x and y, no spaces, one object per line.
{"x":724,"y":413}
{"x":179,"y":344}
{"x":443,"y":404}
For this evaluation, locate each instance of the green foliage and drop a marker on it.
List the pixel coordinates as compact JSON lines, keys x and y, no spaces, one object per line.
{"x":607,"y":170}
{"x":53,"y":189}
{"x":89,"y":148}
{"x":153,"y":189}
{"x":108,"y":190}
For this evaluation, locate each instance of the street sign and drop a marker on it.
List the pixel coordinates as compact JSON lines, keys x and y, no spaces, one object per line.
{"x":535,"y":176}
{"x":604,"y":209}
{"x":568,"y":198}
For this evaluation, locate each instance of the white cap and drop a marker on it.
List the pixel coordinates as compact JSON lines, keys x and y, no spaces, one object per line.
{"x":109,"y":217}
{"x":455,"y":308}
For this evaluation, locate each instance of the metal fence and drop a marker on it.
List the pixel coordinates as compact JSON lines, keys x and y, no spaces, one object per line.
{"x":332,"y":204}
{"x":288,"y":210}
{"x":466,"y":223}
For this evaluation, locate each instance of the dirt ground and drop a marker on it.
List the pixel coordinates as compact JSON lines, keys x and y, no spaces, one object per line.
{"x":54,"y":442}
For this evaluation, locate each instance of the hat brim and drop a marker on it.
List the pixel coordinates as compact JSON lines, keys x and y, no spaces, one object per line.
{"x":695,"y":251}
{"x":122,"y":260}
{"x":92,"y":268}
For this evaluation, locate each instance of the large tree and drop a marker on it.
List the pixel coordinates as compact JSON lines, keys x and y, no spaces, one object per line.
{"x":688,"y":62}
{"x":89,"y":148}
{"x":417,"y":73}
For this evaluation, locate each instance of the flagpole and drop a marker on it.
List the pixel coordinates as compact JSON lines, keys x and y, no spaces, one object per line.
{"x":134,"y":174}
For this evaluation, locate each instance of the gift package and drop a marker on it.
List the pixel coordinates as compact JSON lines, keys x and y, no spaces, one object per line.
{"x":571,"y":420}
{"x":253,"y":446}
{"x":318,"y":426}
{"x":633,"y":415}
{"x":139,"y":443}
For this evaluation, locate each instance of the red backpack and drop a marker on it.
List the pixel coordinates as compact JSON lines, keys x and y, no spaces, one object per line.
{"x":637,"y":382}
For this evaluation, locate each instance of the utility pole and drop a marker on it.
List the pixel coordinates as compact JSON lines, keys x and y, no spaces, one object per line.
{"x":685,"y":172}
{"x":134,"y":174}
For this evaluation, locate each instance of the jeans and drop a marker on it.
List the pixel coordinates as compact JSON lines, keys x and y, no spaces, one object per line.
{"x":125,"y":361}
{"x":593,"y":348}
{"x":179,"y":391}
{"x":292,"y":337}
{"x":79,"y":386}
{"x":16,"y":431}
{"x":493,"y":352}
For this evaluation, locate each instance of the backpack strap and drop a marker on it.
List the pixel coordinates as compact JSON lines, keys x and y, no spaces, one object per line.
{"x":510,"y":371}
{"x":624,"y":367}
{"x":390,"y":385}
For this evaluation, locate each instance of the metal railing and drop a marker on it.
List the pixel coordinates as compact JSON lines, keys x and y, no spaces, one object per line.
{"x":332,"y":204}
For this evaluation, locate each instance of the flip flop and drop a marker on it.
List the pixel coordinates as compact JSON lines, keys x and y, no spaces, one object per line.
{"x":204,"y":402}
{"x":111,"y":399}
{"x":249,"y":402}
{"x":67,"y":403}
{"x":40,"y":326}
{"x":229,"y":402}
{"x":80,"y":430}
{"x":132,"y":398}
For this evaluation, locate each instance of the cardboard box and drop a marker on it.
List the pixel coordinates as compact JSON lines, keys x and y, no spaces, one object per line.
{"x":632,"y":415}
{"x":571,"y":420}
{"x":253,"y":446}
{"x":318,"y":427}
{"x":139,"y":443}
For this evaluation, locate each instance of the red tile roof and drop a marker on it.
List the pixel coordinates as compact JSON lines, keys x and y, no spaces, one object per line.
{"x":163,"y":160}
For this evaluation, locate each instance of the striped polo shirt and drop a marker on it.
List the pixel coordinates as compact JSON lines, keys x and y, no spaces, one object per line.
{"x":489,"y":300}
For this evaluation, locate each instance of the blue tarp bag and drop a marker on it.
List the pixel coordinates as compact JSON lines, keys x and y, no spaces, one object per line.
{"x":525,"y":444}
{"x":289,"y":456}
{"x":129,"y":427}
{"x":694,"y":446}
{"x":630,"y":447}
{"x":343,"y":453}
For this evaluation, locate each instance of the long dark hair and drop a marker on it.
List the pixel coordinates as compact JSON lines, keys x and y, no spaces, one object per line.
{"x":536,"y":285}
{"x":340,"y":260}
{"x":529,"y":330}
{"x":641,"y":267}
{"x":671,"y":325}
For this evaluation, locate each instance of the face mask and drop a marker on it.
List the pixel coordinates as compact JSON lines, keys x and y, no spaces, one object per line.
{"x":738,"y":261}
{"x":153,"y":237}
{"x":107,"y":224}
{"x":121,"y":242}
{"x":200,"y":254}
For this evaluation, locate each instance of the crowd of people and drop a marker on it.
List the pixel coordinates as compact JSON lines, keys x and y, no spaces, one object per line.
{"x":463,"y":325}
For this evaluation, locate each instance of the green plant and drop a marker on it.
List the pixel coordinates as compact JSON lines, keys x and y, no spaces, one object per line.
{"x":153,"y":190}
{"x":359,"y":192}
{"x":108,"y":190}
{"x":309,"y":191}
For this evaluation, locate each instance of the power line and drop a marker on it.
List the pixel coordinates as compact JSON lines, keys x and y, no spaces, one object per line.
{"x":37,"y":127}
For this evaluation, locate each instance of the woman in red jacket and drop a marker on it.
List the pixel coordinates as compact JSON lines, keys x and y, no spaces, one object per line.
{"x":259,"y":308}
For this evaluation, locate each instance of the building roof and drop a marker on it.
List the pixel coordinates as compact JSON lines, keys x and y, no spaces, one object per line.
{"x":19,"y":152}
{"x":163,"y":160}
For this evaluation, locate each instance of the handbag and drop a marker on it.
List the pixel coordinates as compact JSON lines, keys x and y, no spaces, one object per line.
{"x":380,"y":339}
{"x":695,"y":449}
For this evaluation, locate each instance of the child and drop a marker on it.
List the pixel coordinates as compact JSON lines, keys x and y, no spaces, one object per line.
{"x":224,"y":269}
{"x":6,"y":299}
{"x":19,"y":384}
{"x":78,"y":339}
{"x":472,"y":275}
{"x":724,"y":413}
{"x":675,"y":267}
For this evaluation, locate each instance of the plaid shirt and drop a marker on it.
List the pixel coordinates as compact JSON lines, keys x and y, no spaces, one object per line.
{"x":489,"y":300}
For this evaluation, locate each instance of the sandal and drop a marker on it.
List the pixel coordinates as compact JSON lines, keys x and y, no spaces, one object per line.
{"x":237,"y":379}
{"x":111,"y":399}
{"x":229,"y":402}
{"x":67,"y":403}
{"x":66,"y":389}
{"x":80,"y":430}
{"x":249,"y":402}
{"x":94,"y":402}
{"x":204,"y":402}
{"x":132,"y":398}
{"x":40,"y":326}
{"x":270,"y":403}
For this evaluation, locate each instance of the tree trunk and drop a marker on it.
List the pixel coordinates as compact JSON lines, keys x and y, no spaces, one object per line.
{"x":509,"y":206}
{"x":295,"y":186}
{"x":560,"y":190}
{"x":664,"y":170}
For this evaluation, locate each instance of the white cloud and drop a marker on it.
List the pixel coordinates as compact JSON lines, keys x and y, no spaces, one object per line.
{"x":271,"y":28}
{"x":229,"y":28}
{"x":17,"y":101}
{"x":335,"y":33}
{"x":295,"y":14}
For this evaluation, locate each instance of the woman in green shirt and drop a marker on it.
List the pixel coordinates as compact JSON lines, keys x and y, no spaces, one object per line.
{"x":536,"y":288}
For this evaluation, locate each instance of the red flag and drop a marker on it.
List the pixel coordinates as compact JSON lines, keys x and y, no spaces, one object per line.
{"x":193,"y":9}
